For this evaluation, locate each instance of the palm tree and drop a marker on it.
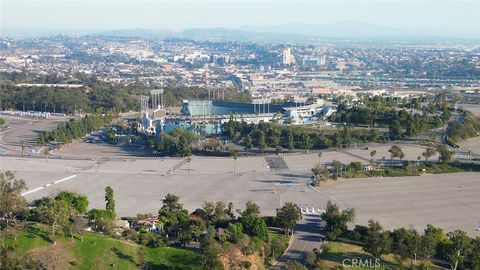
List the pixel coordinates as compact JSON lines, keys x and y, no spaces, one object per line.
{"x":235,"y":156}
{"x":46,"y":152}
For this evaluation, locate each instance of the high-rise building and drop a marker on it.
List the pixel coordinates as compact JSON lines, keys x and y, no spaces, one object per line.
{"x":322,"y":61}
{"x":287,"y":57}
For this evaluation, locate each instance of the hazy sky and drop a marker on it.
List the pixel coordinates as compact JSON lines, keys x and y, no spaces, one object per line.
{"x":108,"y":14}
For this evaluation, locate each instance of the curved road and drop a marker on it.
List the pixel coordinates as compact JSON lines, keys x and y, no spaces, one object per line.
{"x":309,"y":233}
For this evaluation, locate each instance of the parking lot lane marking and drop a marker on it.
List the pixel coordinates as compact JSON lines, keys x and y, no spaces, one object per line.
{"x":47,"y":185}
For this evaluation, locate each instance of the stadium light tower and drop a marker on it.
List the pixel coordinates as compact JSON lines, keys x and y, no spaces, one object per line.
{"x":157,"y":98}
{"x":144,"y":103}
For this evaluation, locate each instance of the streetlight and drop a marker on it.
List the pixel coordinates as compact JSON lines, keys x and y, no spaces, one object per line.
{"x":235,"y":156}
{"x":189,"y":159}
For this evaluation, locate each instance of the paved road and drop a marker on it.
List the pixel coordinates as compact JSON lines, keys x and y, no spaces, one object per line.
{"x":308,"y":234}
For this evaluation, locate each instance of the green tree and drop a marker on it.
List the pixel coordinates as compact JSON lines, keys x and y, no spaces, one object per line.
{"x":11,"y":258}
{"x":248,"y":143}
{"x":355,"y":166}
{"x":445,"y":155}
{"x":100,"y":220}
{"x":57,"y":213}
{"x":345,"y":136}
{"x":458,"y":248}
{"x":307,"y":142}
{"x":231,"y":127}
{"x":475,"y":253}
{"x":172,"y":212}
{"x":377,"y":242}
{"x":234,"y":232}
{"x":395,"y":152}
{"x":251,"y":209}
{"x":290,"y":140}
{"x":41,"y":138}
{"x":76,"y":201}
{"x":337,"y":220}
{"x":411,"y":129}
{"x":261,"y":144}
{"x":395,"y":130}
{"x":275,"y":135}
{"x":185,"y":232}
{"x":288,"y":216}
{"x":430,"y":239}
{"x":404,"y":244}
{"x":255,"y":226}
{"x":184,"y":148}
{"x":11,"y":200}
{"x":209,"y":252}
{"x":110,"y":200}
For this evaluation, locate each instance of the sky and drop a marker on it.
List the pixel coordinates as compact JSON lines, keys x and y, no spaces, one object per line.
{"x":448,"y":15}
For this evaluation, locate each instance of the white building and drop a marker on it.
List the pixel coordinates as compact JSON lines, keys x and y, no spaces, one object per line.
{"x":287,"y":57}
{"x":304,"y":114}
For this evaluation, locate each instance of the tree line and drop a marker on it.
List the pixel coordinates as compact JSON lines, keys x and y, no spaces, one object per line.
{"x":97,"y":96}
{"x":279,"y":137}
{"x":75,"y":129}
{"x":455,"y":248}
{"x":468,"y":128}
{"x":384,"y":167}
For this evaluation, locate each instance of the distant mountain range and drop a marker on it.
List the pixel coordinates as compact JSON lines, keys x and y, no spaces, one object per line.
{"x":346,"y":30}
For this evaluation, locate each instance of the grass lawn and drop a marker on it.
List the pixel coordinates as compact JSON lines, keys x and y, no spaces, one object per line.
{"x":28,"y":241}
{"x":337,"y":252}
{"x":98,"y":251}
{"x":171,"y":258}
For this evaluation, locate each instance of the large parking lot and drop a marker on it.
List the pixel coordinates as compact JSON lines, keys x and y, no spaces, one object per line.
{"x":449,"y":200}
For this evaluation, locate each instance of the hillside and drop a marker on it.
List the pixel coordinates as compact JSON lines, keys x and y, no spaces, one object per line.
{"x":98,"y":251}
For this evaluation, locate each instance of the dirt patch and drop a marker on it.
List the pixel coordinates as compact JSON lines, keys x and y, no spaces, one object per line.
{"x":52,"y":257}
{"x":234,"y":259}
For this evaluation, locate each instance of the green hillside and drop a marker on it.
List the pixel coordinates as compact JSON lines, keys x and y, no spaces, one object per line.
{"x":98,"y":251}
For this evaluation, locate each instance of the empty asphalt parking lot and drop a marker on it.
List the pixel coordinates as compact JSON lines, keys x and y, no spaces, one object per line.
{"x":450,"y":201}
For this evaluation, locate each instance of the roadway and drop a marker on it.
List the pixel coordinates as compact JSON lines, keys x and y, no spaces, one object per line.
{"x":308,"y":234}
